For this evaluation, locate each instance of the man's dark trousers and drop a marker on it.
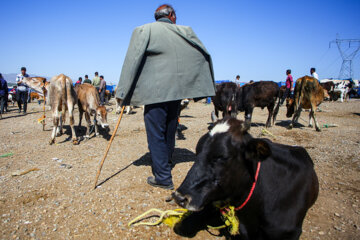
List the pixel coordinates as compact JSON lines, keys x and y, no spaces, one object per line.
{"x":2,"y":103}
{"x":102,"y":96}
{"x":160,"y":123}
{"x":22,"y":98}
{"x":287,"y":93}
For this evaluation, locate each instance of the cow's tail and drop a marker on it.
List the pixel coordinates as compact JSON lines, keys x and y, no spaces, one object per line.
{"x":276,"y":109}
{"x":64,"y":95}
{"x":297,"y":93}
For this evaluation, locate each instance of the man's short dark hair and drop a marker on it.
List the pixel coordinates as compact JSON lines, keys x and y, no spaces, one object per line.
{"x":163,"y":11}
{"x":237,"y":76}
{"x":80,"y":78}
{"x":96,"y":73}
{"x":102,"y":76}
{"x":313,"y":70}
{"x":288,"y":71}
{"x":86,"y":76}
{"x":23,"y":69}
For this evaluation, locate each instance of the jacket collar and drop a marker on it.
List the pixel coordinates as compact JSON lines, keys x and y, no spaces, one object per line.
{"x":164,"y":19}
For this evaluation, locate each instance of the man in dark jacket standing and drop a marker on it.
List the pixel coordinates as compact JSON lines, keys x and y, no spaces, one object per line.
{"x":3,"y":94}
{"x":161,"y":69}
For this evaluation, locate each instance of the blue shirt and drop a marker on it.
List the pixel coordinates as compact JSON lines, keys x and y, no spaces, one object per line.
{"x":3,"y":87}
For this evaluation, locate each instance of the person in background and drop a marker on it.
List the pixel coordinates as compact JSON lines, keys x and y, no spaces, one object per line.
{"x":96,"y":81}
{"x":87,"y":80}
{"x":102,"y":89}
{"x":22,"y":90}
{"x":289,"y":86}
{"x":78,"y":82}
{"x":237,"y":80}
{"x":314,"y":74}
{"x":3,"y":94}
{"x":181,"y":66}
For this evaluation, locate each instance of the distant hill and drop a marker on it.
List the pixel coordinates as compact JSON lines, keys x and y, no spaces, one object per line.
{"x":11,"y":77}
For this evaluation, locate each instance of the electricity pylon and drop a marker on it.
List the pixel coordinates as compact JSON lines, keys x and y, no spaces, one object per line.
{"x":347,"y":55}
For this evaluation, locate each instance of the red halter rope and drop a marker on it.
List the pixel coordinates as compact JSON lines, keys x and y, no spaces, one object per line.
{"x":250,"y":193}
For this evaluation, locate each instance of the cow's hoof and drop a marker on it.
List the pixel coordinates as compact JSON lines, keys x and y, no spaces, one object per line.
{"x":318,"y":129}
{"x":310,"y":126}
{"x":52,"y":141}
{"x":290,"y":126}
{"x":75,"y":142}
{"x":97,"y":134}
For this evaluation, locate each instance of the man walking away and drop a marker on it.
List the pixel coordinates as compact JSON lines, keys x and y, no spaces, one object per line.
{"x":314,"y":74}
{"x":87,"y":80}
{"x":237,"y":80}
{"x":96,"y":81}
{"x":3,"y":94}
{"x":102,"y":89}
{"x":22,"y":90}
{"x":289,"y":86}
{"x":164,"y":63}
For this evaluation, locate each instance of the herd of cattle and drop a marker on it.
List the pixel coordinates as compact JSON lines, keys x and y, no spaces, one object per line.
{"x":275,"y":183}
{"x":308,"y":94}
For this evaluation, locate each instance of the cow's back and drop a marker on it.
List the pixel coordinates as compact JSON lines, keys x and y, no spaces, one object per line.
{"x":61,"y":91}
{"x":87,"y":96}
{"x":308,"y":89}
{"x":260,"y":94}
{"x":298,"y":186}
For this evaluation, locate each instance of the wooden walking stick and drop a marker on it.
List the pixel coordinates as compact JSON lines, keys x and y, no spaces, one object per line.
{"x":108,"y":147}
{"x":44,"y":112}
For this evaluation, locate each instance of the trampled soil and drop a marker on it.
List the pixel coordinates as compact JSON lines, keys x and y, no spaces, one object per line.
{"x":58,"y":201}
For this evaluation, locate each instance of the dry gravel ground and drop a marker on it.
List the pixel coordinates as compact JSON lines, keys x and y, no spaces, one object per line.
{"x":57,"y":202}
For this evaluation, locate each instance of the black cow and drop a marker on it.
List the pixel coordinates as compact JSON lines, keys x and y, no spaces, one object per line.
{"x":227,"y":159}
{"x":225,"y":99}
{"x":329,"y":87}
{"x":259,"y":94}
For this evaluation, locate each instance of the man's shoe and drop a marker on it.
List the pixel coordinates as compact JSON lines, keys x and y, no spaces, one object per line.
{"x":151,"y":181}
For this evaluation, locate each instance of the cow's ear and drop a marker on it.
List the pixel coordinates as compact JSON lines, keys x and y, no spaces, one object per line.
{"x":257,"y":150}
{"x":200,"y":144}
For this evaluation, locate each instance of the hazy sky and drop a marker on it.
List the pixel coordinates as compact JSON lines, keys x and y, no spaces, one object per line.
{"x":256,"y":39}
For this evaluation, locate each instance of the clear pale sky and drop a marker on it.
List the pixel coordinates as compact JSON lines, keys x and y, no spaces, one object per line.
{"x":256,"y":39}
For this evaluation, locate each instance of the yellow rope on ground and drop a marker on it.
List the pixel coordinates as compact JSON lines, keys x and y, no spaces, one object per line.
{"x":265,"y":131}
{"x":172,"y":217}
{"x":169,"y":217}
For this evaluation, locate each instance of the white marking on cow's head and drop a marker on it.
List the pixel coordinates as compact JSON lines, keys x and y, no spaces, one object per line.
{"x":220,"y":128}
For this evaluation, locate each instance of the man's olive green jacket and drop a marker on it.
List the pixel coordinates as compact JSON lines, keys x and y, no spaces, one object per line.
{"x":165,"y":62}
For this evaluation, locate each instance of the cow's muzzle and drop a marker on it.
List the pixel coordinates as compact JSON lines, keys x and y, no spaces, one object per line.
{"x":104,"y":125}
{"x":184,"y":201}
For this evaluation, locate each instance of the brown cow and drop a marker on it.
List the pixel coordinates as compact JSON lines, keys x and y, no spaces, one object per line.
{"x":89,"y":102}
{"x":308,"y":94}
{"x":61,"y":97}
{"x":35,"y":95}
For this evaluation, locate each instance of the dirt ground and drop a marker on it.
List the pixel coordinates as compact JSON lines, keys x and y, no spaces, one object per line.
{"x":58,"y":200}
